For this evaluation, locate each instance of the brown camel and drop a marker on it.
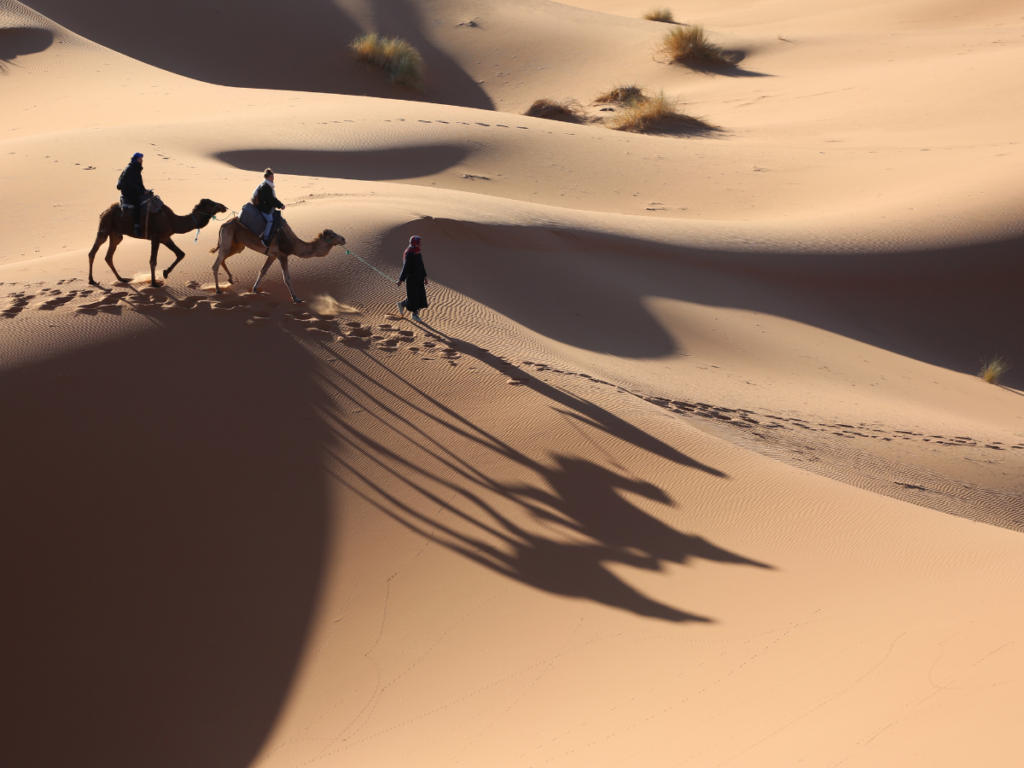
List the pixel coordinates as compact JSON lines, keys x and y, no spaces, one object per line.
{"x":117,"y":224}
{"x":234,"y":238}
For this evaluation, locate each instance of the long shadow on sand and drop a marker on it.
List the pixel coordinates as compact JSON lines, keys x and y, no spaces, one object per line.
{"x":557,"y":526}
{"x":301,"y":47}
{"x":947,"y":307}
{"x":165,"y":517}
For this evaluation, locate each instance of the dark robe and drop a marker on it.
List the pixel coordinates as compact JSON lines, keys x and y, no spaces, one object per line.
{"x":413,"y":275}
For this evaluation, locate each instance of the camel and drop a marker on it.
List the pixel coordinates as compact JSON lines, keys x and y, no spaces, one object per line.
{"x":234,"y":238}
{"x":157,"y":228}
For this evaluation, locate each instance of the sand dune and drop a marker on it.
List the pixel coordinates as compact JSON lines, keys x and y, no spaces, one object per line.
{"x":688,"y":464}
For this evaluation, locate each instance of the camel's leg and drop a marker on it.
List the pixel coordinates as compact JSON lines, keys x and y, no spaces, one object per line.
{"x":115,"y":240}
{"x":222,"y":256}
{"x":154,"y":247}
{"x":288,"y":279}
{"x":263,"y":273}
{"x":180,"y":254}
{"x":101,"y":238}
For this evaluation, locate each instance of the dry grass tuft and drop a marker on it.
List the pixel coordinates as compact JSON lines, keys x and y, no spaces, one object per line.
{"x":569,"y":110}
{"x":621,"y":94}
{"x":992,"y":369}
{"x":689,"y":45}
{"x":659,"y":112}
{"x":659,"y":14}
{"x":400,"y":60}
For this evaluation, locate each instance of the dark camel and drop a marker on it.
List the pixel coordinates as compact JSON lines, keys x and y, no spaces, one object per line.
{"x":158,"y":228}
{"x":234,"y":238}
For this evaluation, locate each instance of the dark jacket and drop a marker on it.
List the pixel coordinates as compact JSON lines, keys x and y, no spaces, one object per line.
{"x":130,"y":183}
{"x":412,"y":267}
{"x":265,"y":200}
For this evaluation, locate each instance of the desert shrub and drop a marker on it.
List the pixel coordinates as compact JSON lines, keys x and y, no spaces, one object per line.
{"x":659,"y":14}
{"x":993,"y":368}
{"x":621,"y":94}
{"x":654,"y":113}
{"x":689,"y":45}
{"x":568,"y":110}
{"x":395,"y":56}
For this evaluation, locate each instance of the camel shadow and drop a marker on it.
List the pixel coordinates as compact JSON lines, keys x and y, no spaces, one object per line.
{"x":557,"y":527}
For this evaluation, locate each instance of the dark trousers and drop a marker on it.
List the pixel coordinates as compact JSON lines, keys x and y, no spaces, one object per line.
{"x":136,"y":202}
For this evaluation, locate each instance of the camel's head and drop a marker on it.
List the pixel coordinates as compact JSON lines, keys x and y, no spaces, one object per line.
{"x":331,"y":237}
{"x":210,"y":207}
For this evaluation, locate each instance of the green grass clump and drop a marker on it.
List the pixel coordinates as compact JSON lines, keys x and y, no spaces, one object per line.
{"x":569,"y":110}
{"x":640,"y":113}
{"x":659,"y":14}
{"x":992,"y":369}
{"x":689,"y":45}
{"x":395,"y":56}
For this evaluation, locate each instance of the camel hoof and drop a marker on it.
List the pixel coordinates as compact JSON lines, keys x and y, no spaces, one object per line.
{"x":219,"y":291}
{"x":93,"y":282}
{"x":166,"y":273}
{"x":123,"y":280}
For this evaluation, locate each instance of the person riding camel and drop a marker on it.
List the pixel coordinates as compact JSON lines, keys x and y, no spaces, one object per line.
{"x":133,"y":191}
{"x":265,"y":201}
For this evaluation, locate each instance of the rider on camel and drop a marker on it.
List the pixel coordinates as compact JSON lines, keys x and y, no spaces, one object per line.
{"x":132,"y":189}
{"x":266,"y":201}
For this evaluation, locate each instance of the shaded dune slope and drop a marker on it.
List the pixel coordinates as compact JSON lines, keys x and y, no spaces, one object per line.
{"x":143,"y":617}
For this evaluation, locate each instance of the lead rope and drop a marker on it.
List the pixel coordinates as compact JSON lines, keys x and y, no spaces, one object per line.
{"x":213,"y":217}
{"x":349,"y":253}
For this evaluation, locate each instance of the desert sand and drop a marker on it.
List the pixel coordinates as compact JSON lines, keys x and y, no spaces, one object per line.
{"x":688,"y":463}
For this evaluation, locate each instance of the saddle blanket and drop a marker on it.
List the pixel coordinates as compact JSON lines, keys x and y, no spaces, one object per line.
{"x":252,"y":219}
{"x":155,"y":205}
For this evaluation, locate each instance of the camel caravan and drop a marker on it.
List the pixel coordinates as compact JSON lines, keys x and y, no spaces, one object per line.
{"x":260,"y":227}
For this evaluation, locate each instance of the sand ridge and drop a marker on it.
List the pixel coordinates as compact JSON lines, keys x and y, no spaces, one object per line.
{"x":662,"y":475}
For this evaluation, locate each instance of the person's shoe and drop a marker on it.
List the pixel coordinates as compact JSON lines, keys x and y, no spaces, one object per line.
{"x":416,"y":317}
{"x":138,"y":231}
{"x":401,"y":308}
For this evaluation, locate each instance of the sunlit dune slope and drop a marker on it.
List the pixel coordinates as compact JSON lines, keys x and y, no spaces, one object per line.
{"x":688,"y":463}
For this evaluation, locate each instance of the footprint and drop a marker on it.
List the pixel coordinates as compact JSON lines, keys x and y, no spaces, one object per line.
{"x":20,"y":302}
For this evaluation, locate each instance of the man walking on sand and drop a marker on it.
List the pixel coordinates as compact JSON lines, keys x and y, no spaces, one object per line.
{"x":414,"y":275}
{"x":266,"y":201}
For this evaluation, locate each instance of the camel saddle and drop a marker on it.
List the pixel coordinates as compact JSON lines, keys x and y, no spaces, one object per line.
{"x":154,"y":203}
{"x":253,"y":220}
